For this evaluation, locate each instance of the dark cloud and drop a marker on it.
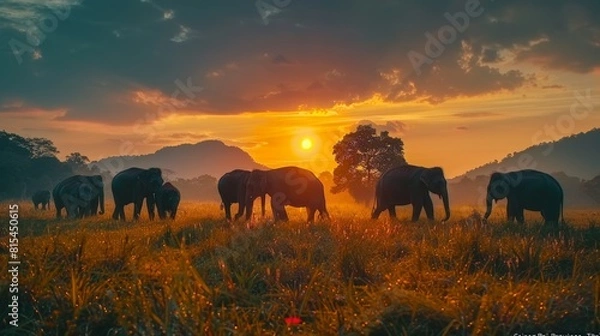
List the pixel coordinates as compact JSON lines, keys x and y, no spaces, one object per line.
{"x":342,"y":52}
{"x":394,"y":127}
{"x":280,"y":59}
{"x":490,"y":56}
{"x":462,"y":128}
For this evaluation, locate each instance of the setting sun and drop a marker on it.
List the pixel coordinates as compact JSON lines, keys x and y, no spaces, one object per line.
{"x":306,"y":144}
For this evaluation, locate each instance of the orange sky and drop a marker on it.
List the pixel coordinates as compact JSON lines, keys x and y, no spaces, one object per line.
{"x":457,"y":135}
{"x":506,"y":79}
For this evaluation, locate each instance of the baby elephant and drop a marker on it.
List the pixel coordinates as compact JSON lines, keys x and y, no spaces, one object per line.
{"x":41,"y":197}
{"x":167,"y":201}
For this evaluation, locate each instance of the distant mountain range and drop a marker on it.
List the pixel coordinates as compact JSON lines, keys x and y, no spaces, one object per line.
{"x":210,"y":157}
{"x":574,"y":161}
{"x":577,"y":155}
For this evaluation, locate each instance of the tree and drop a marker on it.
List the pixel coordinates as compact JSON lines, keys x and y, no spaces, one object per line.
{"x":78,"y":163}
{"x":28,"y":164}
{"x":362,"y":156}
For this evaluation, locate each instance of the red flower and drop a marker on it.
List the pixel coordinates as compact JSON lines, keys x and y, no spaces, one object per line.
{"x":293,"y":320}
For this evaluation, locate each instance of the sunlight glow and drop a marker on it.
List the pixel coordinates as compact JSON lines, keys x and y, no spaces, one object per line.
{"x":306,"y":144}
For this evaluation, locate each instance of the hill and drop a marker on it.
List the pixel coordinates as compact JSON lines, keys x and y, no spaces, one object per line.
{"x":210,"y":157}
{"x":577,"y":155}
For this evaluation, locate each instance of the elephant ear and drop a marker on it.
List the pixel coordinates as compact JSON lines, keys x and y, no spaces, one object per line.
{"x":431,"y":175}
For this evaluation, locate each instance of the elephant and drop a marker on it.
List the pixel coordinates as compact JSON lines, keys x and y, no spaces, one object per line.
{"x":408,"y":184}
{"x":293,"y":186}
{"x":526,"y":189}
{"x":133,"y":185}
{"x":79,"y":195}
{"x":41,"y":197}
{"x":232,"y":188}
{"x":167,"y":201}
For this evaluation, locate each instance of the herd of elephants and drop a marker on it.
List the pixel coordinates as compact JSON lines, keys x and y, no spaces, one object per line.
{"x":402,"y":185}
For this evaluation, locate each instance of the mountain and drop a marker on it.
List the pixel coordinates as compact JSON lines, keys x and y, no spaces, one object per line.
{"x":210,"y":157}
{"x":577,"y":155}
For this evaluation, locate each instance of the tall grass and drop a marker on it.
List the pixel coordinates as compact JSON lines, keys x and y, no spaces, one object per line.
{"x":350,"y":276}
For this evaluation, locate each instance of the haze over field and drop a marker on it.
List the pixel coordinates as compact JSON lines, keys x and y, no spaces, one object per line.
{"x":112,"y":78}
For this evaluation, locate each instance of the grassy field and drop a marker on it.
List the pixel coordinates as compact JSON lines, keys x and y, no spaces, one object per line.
{"x":349,"y":276}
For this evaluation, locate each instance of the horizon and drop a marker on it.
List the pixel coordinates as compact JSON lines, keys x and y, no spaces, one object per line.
{"x":470,"y":77}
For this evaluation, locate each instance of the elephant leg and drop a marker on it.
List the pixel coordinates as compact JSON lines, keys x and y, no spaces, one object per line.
{"x":392,"y":211}
{"x":428,"y":206}
{"x":311,"y":214}
{"x":278,"y":209}
{"x":173,"y":213}
{"x":519,"y":214}
{"x":551,"y":215}
{"x":228,"y":211}
{"x":116,"y":214}
{"x":137,"y":208}
{"x":72,"y":211}
{"x":150,"y":203}
{"x":377,"y":212}
{"x":284,"y":215}
{"x":417,"y":206}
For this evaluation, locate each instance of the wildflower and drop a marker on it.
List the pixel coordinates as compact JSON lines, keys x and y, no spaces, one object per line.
{"x":293,"y":320}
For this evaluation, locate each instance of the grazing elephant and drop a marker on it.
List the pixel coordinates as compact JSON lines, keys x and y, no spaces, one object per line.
{"x":167,"y":201}
{"x":287,"y":186}
{"x":232,"y":188}
{"x":409,"y":184}
{"x":133,"y":185}
{"x":526,"y":190}
{"x":41,"y":197}
{"x":79,"y":195}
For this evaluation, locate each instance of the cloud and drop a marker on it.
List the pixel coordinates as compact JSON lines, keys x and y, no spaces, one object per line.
{"x":394,"y":127}
{"x":177,"y":138}
{"x":27,"y":16}
{"x":462,"y":128}
{"x":554,"y":86}
{"x":184,"y":34}
{"x":280,"y":59}
{"x":475,"y":114}
{"x":339,"y":57}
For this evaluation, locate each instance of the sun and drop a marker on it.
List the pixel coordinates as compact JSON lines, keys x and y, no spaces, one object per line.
{"x":306,"y":144}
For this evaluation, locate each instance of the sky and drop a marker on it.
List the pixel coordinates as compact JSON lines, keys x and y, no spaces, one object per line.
{"x":462,"y":83}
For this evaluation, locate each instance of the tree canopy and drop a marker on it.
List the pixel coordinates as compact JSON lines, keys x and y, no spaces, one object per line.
{"x":362,"y":156}
{"x":28,"y":165}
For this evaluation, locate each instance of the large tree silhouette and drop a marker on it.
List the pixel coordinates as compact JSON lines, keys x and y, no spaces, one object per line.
{"x":362,"y":156}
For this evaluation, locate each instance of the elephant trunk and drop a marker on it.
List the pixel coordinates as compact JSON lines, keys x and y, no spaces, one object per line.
{"x":262,"y":204}
{"x":488,"y":210}
{"x":446,"y":204}
{"x":101,"y":200}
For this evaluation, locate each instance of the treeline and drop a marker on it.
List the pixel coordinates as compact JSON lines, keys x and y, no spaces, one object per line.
{"x":579,"y":193}
{"x":31,"y":164}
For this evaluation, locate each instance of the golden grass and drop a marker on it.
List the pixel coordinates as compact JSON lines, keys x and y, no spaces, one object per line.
{"x":350,"y":276}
